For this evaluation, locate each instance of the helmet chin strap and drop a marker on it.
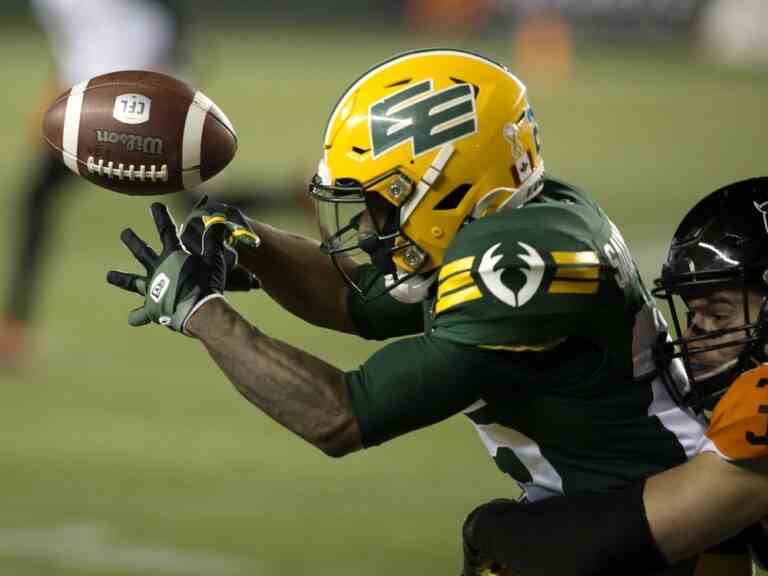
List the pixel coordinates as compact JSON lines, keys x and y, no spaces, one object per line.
{"x":425,"y":182}
{"x":409,"y":290}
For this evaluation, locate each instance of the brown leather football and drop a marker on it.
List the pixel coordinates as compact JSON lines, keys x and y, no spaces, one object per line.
{"x":140,"y":133}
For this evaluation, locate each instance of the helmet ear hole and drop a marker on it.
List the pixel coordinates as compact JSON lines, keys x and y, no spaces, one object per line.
{"x":454,"y":198}
{"x":348,"y":183}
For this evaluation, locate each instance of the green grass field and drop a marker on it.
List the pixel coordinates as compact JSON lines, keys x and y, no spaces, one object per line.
{"x":124,"y":451}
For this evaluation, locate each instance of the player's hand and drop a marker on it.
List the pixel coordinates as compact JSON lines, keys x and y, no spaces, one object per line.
{"x":758,"y":543}
{"x":475,"y":563}
{"x":238,"y":235}
{"x":176,"y":283}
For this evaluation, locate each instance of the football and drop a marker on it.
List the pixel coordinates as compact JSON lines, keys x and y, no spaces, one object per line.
{"x":140,"y":133}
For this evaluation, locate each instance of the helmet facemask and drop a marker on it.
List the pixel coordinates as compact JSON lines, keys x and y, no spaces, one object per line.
{"x":715,"y":282}
{"x":714,"y":358}
{"x":360,"y":225}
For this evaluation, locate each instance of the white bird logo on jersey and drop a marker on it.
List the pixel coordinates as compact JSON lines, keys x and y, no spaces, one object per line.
{"x":492,"y":278}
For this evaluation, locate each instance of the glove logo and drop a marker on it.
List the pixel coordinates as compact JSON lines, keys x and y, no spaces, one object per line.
{"x":159,"y":287}
{"x":534,"y":273}
{"x":428,"y":119}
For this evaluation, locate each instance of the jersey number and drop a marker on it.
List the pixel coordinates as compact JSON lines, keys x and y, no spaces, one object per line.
{"x":753,"y":438}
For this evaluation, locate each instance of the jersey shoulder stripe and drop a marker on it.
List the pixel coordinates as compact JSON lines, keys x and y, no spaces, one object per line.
{"x":523,"y":276}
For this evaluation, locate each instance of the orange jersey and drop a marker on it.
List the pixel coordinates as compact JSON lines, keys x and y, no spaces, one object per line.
{"x":739,"y":425}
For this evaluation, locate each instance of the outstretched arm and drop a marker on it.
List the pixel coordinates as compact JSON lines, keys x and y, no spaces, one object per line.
{"x":184,"y":291}
{"x":300,"y":391}
{"x":290,"y":267}
{"x":302,"y":279}
{"x":299,"y":277}
{"x":409,"y":384}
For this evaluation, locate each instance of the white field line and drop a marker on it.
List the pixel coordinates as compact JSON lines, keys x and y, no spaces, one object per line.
{"x":94,"y":546}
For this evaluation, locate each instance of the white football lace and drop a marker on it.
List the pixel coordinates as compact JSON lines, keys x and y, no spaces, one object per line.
{"x":141,"y":172}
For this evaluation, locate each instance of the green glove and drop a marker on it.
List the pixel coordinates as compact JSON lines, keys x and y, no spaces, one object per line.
{"x":237,"y":234}
{"x":176,"y":283}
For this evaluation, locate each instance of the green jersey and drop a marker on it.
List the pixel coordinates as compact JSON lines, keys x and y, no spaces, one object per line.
{"x":540,"y":331}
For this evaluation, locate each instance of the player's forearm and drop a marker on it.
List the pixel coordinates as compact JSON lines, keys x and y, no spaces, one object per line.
{"x":591,"y":534}
{"x":702,"y":503}
{"x":299,"y":277}
{"x":301,"y":392}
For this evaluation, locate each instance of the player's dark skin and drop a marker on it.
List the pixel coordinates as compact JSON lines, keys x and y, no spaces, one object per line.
{"x":303,"y":393}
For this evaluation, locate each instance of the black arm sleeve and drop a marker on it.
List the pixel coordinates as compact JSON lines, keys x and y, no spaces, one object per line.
{"x":410,"y":384}
{"x":757,"y":540}
{"x":576,"y":535}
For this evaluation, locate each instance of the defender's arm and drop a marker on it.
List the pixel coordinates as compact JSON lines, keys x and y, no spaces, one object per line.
{"x":639,"y":530}
{"x":701,"y":503}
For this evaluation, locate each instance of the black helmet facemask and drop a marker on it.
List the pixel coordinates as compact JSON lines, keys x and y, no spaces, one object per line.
{"x":721,"y":245}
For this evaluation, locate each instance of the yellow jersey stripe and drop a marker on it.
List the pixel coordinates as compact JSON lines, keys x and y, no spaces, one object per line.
{"x":581,"y":272}
{"x":455,"y":282}
{"x":456,"y":298}
{"x":526,"y":347}
{"x":456,"y":266}
{"x":570,"y":287}
{"x":575,"y":258}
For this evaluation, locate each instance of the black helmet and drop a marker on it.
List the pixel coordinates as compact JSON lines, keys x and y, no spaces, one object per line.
{"x":721,"y":243}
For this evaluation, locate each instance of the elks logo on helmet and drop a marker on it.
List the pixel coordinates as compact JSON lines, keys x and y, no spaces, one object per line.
{"x":428,"y":118}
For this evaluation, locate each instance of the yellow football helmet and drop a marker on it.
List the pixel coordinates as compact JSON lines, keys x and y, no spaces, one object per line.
{"x":423,"y":143}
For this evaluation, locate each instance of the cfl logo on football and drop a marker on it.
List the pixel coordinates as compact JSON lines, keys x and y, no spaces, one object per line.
{"x":159,"y":287}
{"x":145,"y":144}
{"x":132,"y":108}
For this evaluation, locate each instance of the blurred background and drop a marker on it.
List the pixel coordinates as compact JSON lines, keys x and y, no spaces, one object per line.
{"x":124,"y":451}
